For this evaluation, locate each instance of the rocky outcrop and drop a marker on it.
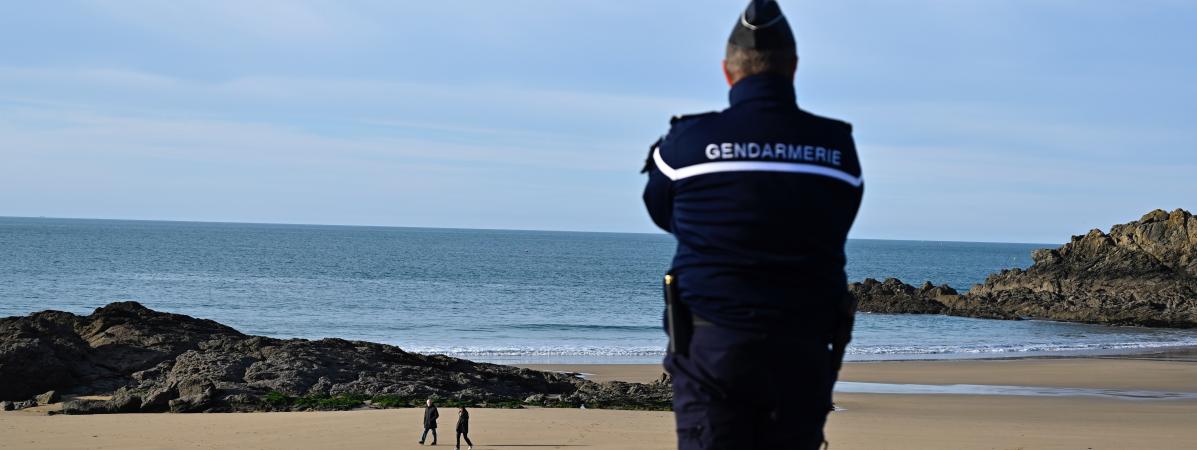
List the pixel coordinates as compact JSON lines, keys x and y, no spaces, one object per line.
{"x":150,"y":361}
{"x":1140,"y":273}
{"x":892,"y":296}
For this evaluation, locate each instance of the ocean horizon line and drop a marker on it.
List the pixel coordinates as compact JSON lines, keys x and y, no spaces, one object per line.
{"x":447,"y":228}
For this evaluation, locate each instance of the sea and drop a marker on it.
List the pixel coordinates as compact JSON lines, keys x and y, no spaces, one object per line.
{"x":489,"y":295}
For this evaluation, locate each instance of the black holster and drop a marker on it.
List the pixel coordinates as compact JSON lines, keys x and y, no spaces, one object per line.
{"x":679,"y":323}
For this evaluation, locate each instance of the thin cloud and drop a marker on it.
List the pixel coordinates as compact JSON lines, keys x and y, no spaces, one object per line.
{"x":274,"y":21}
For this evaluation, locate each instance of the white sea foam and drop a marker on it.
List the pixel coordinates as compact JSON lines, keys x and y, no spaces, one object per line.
{"x":1033,"y":391}
{"x":854,"y":352}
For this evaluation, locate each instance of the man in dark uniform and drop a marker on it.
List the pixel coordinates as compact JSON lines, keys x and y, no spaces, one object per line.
{"x":760,"y":197}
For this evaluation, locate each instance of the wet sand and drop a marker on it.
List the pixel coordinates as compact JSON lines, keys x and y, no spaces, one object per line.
{"x":1134,"y":373}
{"x":869,"y":421}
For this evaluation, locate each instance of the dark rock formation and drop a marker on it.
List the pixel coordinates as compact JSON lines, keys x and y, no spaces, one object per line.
{"x":1141,"y":273}
{"x":57,"y":350}
{"x":892,"y":296}
{"x":153,"y":361}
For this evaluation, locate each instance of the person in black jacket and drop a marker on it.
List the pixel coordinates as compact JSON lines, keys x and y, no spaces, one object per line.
{"x":760,"y":197}
{"x":463,"y":428}
{"x":430,"y":416}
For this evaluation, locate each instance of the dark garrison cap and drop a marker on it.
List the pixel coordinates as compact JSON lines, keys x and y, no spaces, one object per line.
{"x":762,"y":26}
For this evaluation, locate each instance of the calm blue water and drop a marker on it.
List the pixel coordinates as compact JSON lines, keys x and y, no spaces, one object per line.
{"x":513,"y":296}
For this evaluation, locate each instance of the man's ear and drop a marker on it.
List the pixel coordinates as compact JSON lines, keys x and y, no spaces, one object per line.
{"x":728,"y":75}
{"x":794,"y":71}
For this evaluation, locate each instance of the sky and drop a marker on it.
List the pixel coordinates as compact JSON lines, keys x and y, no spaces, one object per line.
{"x":1008,"y":121}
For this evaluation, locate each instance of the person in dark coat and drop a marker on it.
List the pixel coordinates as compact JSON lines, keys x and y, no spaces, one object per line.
{"x":760,"y":197}
{"x":430,"y":416}
{"x":463,"y":428}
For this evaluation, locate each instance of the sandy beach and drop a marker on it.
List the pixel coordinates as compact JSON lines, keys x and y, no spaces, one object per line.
{"x":869,"y":421}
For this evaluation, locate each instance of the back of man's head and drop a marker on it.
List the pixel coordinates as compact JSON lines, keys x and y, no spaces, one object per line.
{"x":761,"y":42}
{"x":741,"y":62}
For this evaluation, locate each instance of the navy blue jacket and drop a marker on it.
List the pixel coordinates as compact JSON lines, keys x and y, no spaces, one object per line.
{"x":760,"y":197}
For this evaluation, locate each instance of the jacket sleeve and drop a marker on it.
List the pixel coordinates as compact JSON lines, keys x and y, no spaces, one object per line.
{"x":855,"y":164}
{"x":658,"y":193}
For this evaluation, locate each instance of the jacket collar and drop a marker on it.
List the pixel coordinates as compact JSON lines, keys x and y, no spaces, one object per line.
{"x":762,"y":87}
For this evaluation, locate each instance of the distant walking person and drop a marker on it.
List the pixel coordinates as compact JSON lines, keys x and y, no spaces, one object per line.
{"x":463,"y":428}
{"x":430,"y":416}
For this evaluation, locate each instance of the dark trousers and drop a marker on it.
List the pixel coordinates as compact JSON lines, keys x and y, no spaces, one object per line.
{"x":426,"y":430}
{"x":744,"y":390}
{"x":467,"y":438}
